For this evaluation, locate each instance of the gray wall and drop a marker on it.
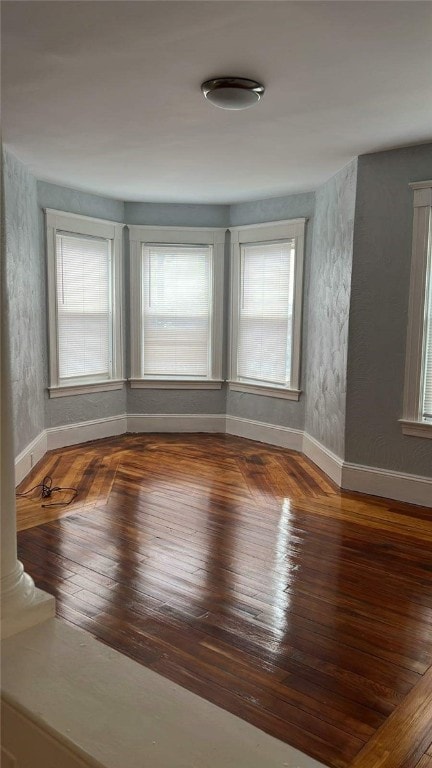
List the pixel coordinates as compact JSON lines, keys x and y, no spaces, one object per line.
{"x":81,"y":203}
{"x":329,"y":301}
{"x":181,"y":215}
{"x":76,"y":408}
{"x":286,"y":413}
{"x":26,"y":288}
{"x":378,"y":315}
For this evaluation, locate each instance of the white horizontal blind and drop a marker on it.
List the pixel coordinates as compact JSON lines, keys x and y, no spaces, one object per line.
{"x":177,"y":290}
{"x":266,"y":312}
{"x":427,"y":384}
{"x":84,"y":306}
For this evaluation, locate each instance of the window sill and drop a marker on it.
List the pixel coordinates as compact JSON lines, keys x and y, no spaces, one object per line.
{"x":174,"y":384}
{"x":416,"y":428}
{"x":267,"y":391}
{"x":83,"y":389}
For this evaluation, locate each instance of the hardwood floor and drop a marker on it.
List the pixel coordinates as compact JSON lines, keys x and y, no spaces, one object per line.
{"x":241,"y":572}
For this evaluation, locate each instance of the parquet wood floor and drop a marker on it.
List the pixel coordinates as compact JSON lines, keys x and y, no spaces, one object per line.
{"x":241,"y":572}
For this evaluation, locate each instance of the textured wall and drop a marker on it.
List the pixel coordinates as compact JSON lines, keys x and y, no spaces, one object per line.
{"x":286,"y":413}
{"x":378,"y":316}
{"x":181,"y":215}
{"x":67,"y":410}
{"x":74,"y":201}
{"x":26,"y":288}
{"x":329,"y":298}
{"x":272,"y":209}
{"x":176,"y":401}
{"x":96,"y":405}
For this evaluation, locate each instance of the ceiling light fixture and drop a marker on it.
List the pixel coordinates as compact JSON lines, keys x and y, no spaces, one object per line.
{"x":232,"y":92}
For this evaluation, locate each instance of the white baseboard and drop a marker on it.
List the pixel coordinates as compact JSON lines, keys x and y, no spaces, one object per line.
{"x":188,"y":422}
{"x":384,"y":482}
{"x":71,"y":434}
{"x":325,"y":459}
{"x":31,"y":454}
{"x":355,"y":477}
{"x":285,"y":437}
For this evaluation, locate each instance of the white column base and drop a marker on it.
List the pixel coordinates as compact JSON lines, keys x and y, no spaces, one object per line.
{"x":22,"y":604}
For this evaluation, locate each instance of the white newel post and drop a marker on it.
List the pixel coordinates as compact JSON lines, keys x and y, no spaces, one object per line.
{"x":22,"y":604}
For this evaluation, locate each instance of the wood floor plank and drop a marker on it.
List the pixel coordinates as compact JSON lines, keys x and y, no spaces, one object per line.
{"x":241,"y":572}
{"x":405,"y":735}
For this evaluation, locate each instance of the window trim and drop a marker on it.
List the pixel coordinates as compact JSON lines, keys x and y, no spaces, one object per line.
{"x":63,"y":221}
{"x":141,"y":234}
{"x":412,"y":421}
{"x":255,"y":233}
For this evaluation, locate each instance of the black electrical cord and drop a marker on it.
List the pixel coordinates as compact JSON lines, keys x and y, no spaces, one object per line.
{"x":47,"y":489}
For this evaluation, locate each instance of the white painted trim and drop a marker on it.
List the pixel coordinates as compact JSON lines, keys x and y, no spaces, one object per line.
{"x":163,"y":422}
{"x":413,"y":489}
{"x":28,"y":457}
{"x":416,"y":428}
{"x":390,"y":484}
{"x":135,"y":301}
{"x":85,"y":226}
{"x":34,"y":606}
{"x":84,"y":431}
{"x":139,"y":236}
{"x":325,"y":459}
{"x":421,"y":184}
{"x":57,"y":215}
{"x":285,"y":437}
{"x":271,"y":228}
{"x":261,"y":389}
{"x":416,"y":331}
{"x":174,"y":384}
{"x":82,"y":389}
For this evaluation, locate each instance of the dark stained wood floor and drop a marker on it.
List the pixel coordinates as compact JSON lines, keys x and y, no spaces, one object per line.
{"x":239,"y":571}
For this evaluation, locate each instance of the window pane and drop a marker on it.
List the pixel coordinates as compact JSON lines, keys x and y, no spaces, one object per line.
{"x":176,"y":310}
{"x":83,"y":306}
{"x":427,"y":384}
{"x":265,"y":313}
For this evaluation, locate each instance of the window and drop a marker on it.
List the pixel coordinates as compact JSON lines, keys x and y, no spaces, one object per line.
{"x":176,"y":307}
{"x":267,"y":276}
{"x":84,"y":287}
{"x":417,"y":413}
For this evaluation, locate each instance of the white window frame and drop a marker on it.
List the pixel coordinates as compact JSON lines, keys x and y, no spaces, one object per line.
{"x":257,"y":233}
{"x":139,"y":236}
{"x":61,"y":221}
{"x":412,"y":422}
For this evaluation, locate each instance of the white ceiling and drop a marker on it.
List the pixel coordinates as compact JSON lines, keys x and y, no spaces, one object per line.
{"x":105,"y":96}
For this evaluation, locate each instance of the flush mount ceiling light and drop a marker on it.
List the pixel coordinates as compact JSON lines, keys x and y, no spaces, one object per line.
{"x":232,"y":92}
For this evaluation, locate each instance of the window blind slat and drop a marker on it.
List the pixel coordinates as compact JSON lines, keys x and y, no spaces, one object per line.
{"x":176,"y":310}
{"x":266,"y":311}
{"x":427,"y":386}
{"x":84,"y":315}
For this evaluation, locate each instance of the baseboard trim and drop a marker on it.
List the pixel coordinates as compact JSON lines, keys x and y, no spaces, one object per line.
{"x":325,"y":459}
{"x":82,"y":432}
{"x":284,"y":437}
{"x":188,"y":422}
{"x":31,"y":454}
{"x":400,"y":486}
{"x":413,"y":489}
